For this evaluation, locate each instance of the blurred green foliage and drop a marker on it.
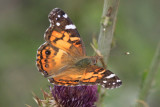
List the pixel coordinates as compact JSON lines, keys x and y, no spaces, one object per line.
{"x":23,"y":23}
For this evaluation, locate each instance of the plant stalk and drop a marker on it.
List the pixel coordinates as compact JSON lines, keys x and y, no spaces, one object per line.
{"x":148,"y":80}
{"x":108,"y":23}
{"x":107,"y":28}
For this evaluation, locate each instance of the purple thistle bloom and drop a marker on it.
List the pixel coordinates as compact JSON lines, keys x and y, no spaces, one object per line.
{"x":77,"y":96}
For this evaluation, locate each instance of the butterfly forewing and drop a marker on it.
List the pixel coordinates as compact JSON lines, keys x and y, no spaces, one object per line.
{"x":63,"y":34}
{"x":62,"y":45}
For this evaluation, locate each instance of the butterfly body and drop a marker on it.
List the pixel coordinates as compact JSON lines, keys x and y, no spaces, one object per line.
{"x":85,"y":62}
{"x":62,"y":58}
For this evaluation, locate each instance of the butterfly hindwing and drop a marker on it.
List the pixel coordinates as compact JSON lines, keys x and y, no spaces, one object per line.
{"x":90,"y":76}
{"x":69,"y":77}
{"x":100,"y":76}
{"x":50,"y":59}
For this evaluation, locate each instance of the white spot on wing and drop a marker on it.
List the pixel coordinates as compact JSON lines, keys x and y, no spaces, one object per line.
{"x":71,"y":26}
{"x":104,"y":81}
{"x":65,"y":15}
{"x":59,"y":16}
{"x":110,"y":76}
{"x":118,"y":80}
{"x":58,"y":24}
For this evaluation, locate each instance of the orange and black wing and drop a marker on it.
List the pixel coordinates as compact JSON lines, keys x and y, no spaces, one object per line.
{"x":70,"y":77}
{"x":50,"y":59}
{"x":63,"y":45}
{"x":62,"y":33}
{"x":93,"y":75}
{"x":97,"y":75}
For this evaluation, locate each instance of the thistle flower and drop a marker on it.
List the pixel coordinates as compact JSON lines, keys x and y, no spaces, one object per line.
{"x":78,"y":96}
{"x":63,"y":96}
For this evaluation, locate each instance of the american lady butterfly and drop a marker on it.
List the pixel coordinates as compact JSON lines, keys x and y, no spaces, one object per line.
{"x":62,"y":58}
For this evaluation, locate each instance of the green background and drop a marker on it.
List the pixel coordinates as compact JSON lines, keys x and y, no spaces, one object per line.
{"x":23,"y":23}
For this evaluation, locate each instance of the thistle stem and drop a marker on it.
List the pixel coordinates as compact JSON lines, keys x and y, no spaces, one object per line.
{"x":107,"y":28}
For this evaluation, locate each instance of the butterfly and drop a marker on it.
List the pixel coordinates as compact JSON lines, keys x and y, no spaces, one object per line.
{"x":63,"y":60}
